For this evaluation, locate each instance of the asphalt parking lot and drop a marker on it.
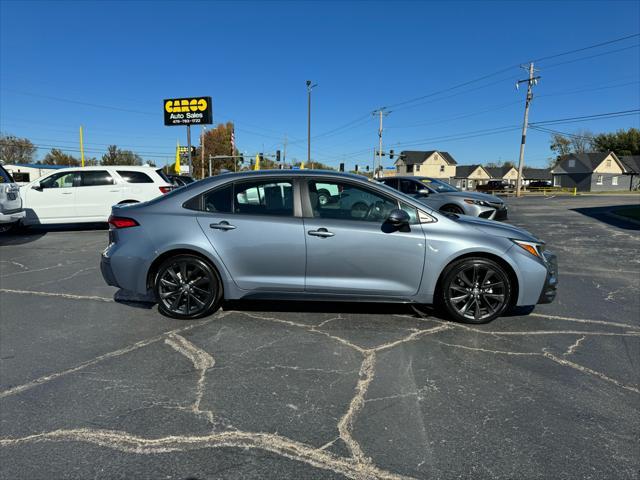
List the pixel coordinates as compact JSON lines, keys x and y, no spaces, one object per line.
{"x":95,"y":384}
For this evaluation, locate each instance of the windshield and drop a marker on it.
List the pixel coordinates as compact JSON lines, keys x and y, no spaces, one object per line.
{"x":438,"y":185}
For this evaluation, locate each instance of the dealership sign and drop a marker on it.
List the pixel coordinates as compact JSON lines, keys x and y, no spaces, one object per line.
{"x":188,"y":111}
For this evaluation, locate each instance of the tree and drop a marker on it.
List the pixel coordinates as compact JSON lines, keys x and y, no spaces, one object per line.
{"x":16,"y":150}
{"x":622,"y":142}
{"x":581,"y":141}
{"x":560,"y":144}
{"x":115,"y":156}
{"x":58,"y":157}
{"x":217,"y":142}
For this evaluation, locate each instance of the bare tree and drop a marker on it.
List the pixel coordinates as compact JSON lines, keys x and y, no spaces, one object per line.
{"x":582,"y":141}
{"x":16,"y":150}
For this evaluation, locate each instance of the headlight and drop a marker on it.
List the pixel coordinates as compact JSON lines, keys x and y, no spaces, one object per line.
{"x":535,"y":249}
{"x":471,"y":201}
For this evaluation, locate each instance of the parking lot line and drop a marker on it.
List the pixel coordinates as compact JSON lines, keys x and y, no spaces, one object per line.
{"x":54,"y":294}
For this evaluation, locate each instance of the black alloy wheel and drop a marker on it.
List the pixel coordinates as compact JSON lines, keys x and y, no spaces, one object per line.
{"x":475,"y":290}
{"x":452,"y":209}
{"x":187,"y":287}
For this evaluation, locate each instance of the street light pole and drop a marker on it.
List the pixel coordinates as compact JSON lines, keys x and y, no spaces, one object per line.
{"x":309,"y":88}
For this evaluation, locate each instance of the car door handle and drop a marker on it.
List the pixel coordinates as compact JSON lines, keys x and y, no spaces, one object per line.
{"x":116,"y":190}
{"x":321,"y":232}
{"x":66,"y":193}
{"x":222,"y":226}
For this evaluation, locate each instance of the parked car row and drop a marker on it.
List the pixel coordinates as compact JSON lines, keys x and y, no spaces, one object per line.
{"x":11,"y":211}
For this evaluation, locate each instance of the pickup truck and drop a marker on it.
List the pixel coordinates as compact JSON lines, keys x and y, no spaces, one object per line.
{"x":495,"y":185}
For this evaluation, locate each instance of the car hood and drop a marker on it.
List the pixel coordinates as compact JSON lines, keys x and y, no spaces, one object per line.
{"x":485,"y":197}
{"x":497,"y":229}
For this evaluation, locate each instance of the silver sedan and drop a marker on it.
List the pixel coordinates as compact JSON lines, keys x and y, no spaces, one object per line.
{"x":267,"y":235}
{"x":446,"y":198}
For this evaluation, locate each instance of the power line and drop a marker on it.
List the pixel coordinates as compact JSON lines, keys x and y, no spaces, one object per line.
{"x":602,"y":44}
{"x":622,"y":113}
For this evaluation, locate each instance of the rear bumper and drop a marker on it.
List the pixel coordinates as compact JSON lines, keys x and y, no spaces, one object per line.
{"x":107,"y":272}
{"x":549,"y":289}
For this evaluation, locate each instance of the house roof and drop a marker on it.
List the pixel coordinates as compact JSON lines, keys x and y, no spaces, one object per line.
{"x":536,"y":173}
{"x":585,"y":162}
{"x":631,"y":163}
{"x":463,"y":171}
{"x":498,"y":172}
{"x":413,"y":157}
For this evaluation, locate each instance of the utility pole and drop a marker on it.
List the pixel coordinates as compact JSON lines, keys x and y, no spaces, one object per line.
{"x":209,"y":164}
{"x":309,"y":88}
{"x":531,"y":81}
{"x":284,"y":150}
{"x":189,"y":149}
{"x":381,"y":112}
{"x":202,"y":152}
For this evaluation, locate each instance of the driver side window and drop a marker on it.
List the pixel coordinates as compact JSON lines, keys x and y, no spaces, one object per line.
{"x":344,"y":201}
{"x":59,"y":180}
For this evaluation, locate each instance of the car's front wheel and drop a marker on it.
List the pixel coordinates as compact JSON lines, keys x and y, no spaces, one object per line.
{"x":475,"y":290}
{"x":186,"y":287}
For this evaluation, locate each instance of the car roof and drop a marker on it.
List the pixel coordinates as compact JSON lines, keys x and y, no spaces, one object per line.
{"x":286,"y":173}
{"x":102,"y":167}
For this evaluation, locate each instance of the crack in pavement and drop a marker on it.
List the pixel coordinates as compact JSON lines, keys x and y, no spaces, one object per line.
{"x":277,"y":444}
{"x":54,"y":294}
{"x":202,"y":362}
{"x":572,"y":348}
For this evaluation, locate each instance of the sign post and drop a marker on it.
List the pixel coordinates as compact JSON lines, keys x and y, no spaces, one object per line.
{"x":188,"y":111}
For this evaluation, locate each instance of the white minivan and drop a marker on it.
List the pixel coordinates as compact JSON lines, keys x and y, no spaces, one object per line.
{"x":86,"y":194}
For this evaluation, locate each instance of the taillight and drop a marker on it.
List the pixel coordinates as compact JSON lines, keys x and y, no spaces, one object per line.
{"x":122,"y":222}
{"x":165,"y":189}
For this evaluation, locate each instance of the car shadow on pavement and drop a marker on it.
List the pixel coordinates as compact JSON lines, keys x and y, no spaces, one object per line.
{"x":606,"y":215}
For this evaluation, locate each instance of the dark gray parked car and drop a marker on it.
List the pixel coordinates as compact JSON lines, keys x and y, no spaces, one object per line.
{"x":266,"y":235}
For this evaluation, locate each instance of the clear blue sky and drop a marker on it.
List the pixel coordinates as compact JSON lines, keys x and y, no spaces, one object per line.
{"x":253,"y":59}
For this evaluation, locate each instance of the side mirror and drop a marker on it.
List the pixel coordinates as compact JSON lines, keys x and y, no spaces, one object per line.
{"x":398,"y":218}
{"x":38,"y":186}
{"x":424,"y":191}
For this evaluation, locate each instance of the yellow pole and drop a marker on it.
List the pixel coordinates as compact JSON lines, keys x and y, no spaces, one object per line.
{"x":81,"y":146}
{"x":177,"y":165}
{"x":257,"y":164}
{"x":301,"y":165}
{"x":575,"y":191}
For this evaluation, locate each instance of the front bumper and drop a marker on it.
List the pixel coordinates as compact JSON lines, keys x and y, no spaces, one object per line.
{"x":549,"y":289}
{"x":501,"y":213}
{"x":12,"y":216}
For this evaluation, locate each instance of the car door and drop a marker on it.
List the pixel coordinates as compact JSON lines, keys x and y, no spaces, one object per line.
{"x":252,"y":227}
{"x":52,"y":199}
{"x":97,"y":192}
{"x":352,"y":250}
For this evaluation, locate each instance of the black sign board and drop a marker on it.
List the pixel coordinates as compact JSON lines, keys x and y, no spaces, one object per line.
{"x":188,"y":111}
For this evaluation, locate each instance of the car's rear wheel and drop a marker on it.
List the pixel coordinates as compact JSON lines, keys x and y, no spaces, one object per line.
{"x":475,"y":290}
{"x":187,"y":287}
{"x":452,"y":209}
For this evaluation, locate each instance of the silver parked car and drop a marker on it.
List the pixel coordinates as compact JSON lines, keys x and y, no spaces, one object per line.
{"x":446,"y":198}
{"x":266,"y":235}
{"x":11,"y":211}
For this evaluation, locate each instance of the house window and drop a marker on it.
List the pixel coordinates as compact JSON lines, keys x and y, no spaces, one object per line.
{"x":458,"y":183}
{"x":608,"y":163}
{"x":556,"y":180}
{"x":614,"y":180}
{"x":441,"y":168}
{"x":470,"y":183}
{"x":599,"y":180}
{"x":572,"y":163}
{"x":415,"y":168}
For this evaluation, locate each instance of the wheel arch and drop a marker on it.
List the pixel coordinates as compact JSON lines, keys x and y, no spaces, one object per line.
{"x":153,"y":268}
{"x":451,"y":205}
{"x":510,"y":271}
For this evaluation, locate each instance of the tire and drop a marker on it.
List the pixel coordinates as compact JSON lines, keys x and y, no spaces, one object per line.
{"x":474,"y":290}
{"x":196,"y":296}
{"x":452,"y":209}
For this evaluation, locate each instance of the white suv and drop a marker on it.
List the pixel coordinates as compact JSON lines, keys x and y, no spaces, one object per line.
{"x":77,"y":195}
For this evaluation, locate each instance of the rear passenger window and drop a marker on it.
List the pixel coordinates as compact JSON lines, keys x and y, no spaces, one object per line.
{"x":263,"y":198}
{"x":94,"y":178}
{"x":131,"y":176}
{"x":218,"y":200}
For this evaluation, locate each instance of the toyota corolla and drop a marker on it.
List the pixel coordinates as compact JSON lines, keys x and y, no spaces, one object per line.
{"x":266,"y":234}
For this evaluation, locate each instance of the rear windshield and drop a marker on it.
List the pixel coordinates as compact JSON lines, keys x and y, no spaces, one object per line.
{"x":163,"y":176}
{"x":132,"y":176}
{"x":438,"y":186}
{"x":5,"y":177}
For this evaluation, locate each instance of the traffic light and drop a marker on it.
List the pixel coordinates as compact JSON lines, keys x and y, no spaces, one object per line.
{"x":356,"y":169}
{"x":367,"y":168}
{"x":342,"y":167}
{"x":277,"y":155}
{"x":261,"y":156}
{"x":391,"y":154}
